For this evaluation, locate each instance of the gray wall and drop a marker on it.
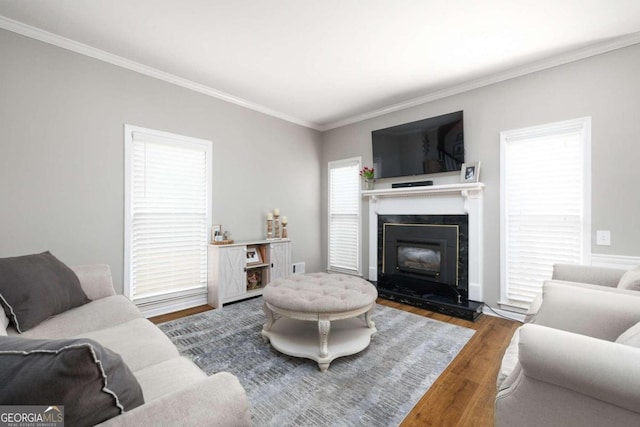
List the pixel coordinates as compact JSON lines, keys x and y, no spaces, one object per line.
{"x":61,"y":151}
{"x":605,"y":87}
{"x":62,"y":156}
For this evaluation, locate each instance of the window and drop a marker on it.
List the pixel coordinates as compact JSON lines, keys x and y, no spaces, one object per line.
{"x":344,"y":216}
{"x":167,"y":217}
{"x":545,"y":205}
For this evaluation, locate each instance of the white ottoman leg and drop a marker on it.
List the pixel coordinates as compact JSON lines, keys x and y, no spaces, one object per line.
{"x":270,"y":319}
{"x":367,"y":317}
{"x":324,"y":326}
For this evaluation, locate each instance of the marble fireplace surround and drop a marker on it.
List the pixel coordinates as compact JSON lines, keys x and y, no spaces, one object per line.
{"x":448,"y":199}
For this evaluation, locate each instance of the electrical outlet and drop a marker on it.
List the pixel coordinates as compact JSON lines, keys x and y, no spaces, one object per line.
{"x":603,"y":237}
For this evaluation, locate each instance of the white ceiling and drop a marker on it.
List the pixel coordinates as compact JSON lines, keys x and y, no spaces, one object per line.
{"x":325,"y":63}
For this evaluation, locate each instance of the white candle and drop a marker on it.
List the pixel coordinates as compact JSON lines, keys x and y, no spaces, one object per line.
{"x":284,"y":220}
{"x":276,"y":212}
{"x":269,"y":215}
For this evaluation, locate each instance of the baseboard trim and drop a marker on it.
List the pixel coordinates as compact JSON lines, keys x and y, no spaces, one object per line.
{"x":157,"y":308}
{"x":498,"y":312}
{"x":615,"y":261}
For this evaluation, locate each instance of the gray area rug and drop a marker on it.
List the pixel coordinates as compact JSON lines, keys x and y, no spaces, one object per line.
{"x":376,"y":387}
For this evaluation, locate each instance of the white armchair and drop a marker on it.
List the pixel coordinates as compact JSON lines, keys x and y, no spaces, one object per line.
{"x":570,"y":365}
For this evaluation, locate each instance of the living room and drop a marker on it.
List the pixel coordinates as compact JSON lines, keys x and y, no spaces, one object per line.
{"x":62,"y":115}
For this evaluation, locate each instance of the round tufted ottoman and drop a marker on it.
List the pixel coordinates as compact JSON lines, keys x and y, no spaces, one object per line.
{"x":292,"y":303}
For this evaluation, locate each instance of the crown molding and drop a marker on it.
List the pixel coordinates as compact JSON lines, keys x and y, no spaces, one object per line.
{"x":576,"y":55}
{"x":101,"y":55}
{"x":83,"y":49}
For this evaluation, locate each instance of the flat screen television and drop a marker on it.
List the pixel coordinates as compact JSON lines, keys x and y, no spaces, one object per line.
{"x":426,"y":146}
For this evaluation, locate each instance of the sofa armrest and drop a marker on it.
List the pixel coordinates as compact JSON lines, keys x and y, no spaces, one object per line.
{"x":95,"y":280}
{"x":218,"y":400}
{"x":604,"y":370}
{"x":587,"y":274}
{"x":590,"y":310}
{"x":570,"y":379}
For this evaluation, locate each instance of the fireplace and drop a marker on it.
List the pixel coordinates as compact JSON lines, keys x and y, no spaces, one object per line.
{"x":437,"y":205}
{"x":423,"y":261}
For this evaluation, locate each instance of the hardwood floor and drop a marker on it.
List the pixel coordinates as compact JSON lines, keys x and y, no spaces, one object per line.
{"x":465,"y":392}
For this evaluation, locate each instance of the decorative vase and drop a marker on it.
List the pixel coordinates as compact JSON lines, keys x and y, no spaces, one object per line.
{"x":368,"y":183}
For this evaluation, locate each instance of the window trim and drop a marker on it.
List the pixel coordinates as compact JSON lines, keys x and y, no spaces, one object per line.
{"x":581,"y":125}
{"x":333,"y":164}
{"x":154,"y":305}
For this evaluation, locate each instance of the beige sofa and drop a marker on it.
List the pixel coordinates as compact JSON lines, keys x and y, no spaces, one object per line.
{"x":576,"y":360}
{"x":176,"y":391}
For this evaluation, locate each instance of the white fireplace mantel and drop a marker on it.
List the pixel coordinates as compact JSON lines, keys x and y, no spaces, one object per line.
{"x":448,"y":199}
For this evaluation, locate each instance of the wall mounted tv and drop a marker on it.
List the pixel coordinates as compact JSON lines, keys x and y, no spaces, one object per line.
{"x":427,"y":146}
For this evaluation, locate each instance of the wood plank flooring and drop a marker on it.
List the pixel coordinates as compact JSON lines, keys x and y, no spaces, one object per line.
{"x":463,"y":396}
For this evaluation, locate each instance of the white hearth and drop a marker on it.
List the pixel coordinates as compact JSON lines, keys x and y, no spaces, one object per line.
{"x":449,"y":199}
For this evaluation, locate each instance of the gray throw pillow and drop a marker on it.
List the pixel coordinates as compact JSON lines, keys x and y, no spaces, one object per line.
{"x":36,"y":287}
{"x":630,"y":280}
{"x":92,"y":382}
{"x":631,"y":336}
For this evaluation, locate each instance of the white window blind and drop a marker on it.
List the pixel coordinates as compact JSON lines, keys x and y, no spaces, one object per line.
{"x":344,"y":216}
{"x":545,"y":205}
{"x":168,"y":199}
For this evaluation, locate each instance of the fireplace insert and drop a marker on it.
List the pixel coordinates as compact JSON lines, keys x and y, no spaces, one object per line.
{"x":423,"y":261}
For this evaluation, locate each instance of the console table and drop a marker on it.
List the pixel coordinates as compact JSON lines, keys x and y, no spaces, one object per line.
{"x":233,"y":277}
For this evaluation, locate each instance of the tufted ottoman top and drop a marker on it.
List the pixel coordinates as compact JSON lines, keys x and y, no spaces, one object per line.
{"x":320,"y":293}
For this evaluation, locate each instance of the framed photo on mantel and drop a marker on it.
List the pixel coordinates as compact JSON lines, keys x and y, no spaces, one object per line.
{"x":470,"y":172}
